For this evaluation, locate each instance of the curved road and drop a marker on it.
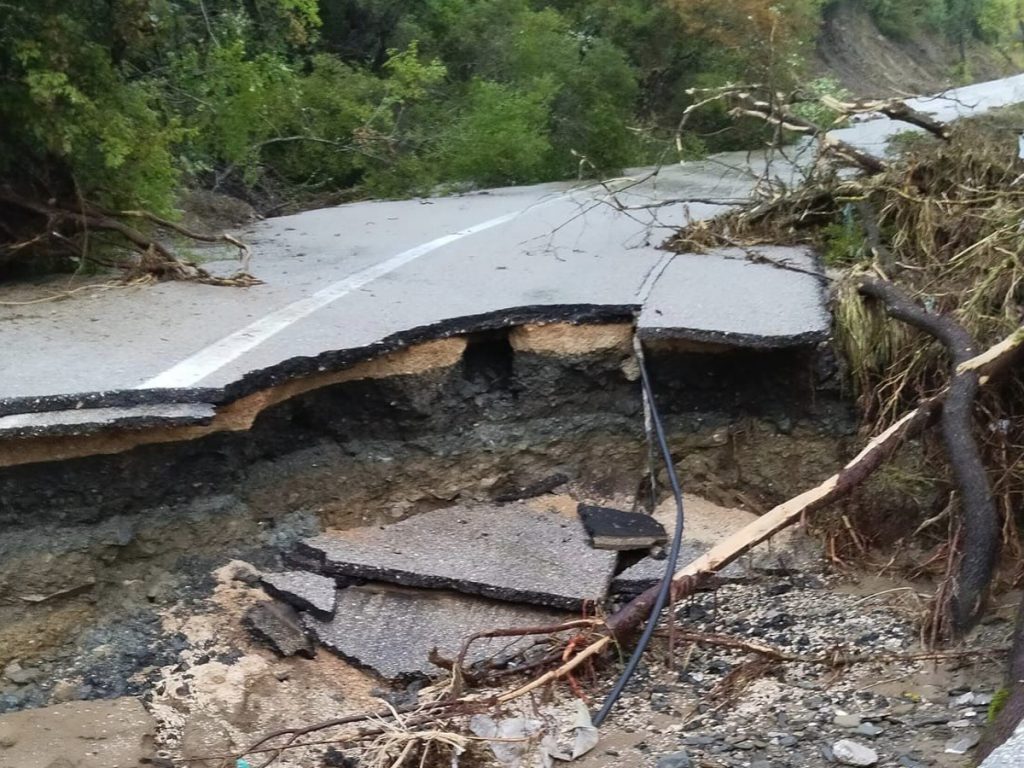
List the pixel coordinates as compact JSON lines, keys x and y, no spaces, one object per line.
{"x":351,"y":276}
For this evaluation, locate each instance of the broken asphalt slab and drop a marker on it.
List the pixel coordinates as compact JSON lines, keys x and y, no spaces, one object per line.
{"x":392,"y":630}
{"x":504,"y":552}
{"x":280,"y":627}
{"x":67,"y":423}
{"x":303,"y":590}
{"x":619,"y":530}
{"x":768,"y":297}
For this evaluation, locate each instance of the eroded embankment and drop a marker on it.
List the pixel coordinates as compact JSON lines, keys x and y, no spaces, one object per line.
{"x":103,"y":529}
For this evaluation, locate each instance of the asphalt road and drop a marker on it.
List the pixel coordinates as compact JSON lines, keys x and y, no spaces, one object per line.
{"x":351,"y":276}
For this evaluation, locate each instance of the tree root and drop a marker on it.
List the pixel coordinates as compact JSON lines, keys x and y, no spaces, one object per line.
{"x":982,"y":528}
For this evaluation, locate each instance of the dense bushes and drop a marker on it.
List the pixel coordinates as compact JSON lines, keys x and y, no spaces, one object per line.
{"x":120,"y":101}
{"x":989,"y":20}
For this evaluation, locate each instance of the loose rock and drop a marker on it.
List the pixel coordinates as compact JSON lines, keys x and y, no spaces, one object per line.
{"x":676,"y":760}
{"x":850,"y":752}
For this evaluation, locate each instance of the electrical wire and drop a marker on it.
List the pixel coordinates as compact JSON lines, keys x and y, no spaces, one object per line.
{"x":670,"y":565}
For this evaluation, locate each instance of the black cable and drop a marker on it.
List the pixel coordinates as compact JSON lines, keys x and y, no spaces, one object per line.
{"x":673,"y":557}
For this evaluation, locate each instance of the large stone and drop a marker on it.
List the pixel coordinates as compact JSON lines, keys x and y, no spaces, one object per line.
{"x":505,"y":552}
{"x":392,"y":630}
{"x":278,"y":626}
{"x":79,"y":734}
{"x":849,"y":752}
{"x":303,"y":590}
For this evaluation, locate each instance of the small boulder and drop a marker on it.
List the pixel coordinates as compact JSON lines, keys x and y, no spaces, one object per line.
{"x":847,"y":721}
{"x":849,"y":752}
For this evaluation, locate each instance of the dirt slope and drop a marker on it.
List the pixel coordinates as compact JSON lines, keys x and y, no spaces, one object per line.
{"x":851,"y":49}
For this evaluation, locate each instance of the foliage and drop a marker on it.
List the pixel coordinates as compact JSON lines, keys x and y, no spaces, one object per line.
{"x":813,"y":108}
{"x":990,"y":20}
{"x":121,"y":103}
{"x":500,"y":136}
{"x":999,"y":699}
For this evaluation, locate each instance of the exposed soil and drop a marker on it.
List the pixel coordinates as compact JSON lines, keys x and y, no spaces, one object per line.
{"x":117,"y":579}
{"x":867,"y":63}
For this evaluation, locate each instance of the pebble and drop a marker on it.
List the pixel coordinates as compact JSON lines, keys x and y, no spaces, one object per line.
{"x":847,"y":721}
{"x":849,"y":752}
{"x":869,"y":729}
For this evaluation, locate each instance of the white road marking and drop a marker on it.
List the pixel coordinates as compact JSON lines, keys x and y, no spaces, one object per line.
{"x":194,"y":369}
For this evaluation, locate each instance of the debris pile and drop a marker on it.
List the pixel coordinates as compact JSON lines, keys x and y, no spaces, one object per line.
{"x":401,"y":600}
{"x":398,"y":599}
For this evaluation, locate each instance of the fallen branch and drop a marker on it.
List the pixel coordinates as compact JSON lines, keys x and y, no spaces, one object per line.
{"x":778,"y":115}
{"x":893,"y":109}
{"x":223,"y":237}
{"x":154,"y":258}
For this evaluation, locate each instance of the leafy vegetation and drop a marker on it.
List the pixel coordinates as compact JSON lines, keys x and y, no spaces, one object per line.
{"x":991,"y":20}
{"x":123,"y":102}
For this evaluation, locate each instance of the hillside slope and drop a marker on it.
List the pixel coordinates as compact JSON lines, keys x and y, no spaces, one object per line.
{"x":851,"y":49}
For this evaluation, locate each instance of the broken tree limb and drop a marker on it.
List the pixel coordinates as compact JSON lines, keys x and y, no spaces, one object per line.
{"x":994,"y":358}
{"x":155,"y":258}
{"x":894,"y":109}
{"x":981,"y":525}
{"x":775,"y":114}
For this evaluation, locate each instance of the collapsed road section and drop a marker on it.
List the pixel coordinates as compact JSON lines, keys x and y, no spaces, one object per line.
{"x":117,"y":505}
